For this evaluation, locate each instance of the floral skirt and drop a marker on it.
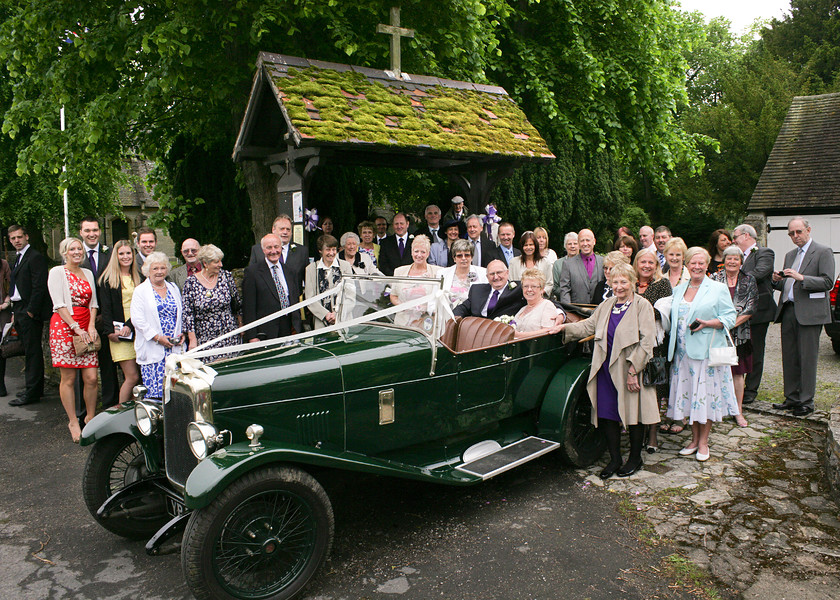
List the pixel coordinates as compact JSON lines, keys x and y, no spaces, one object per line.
{"x":700,"y":392}
{"x":61,"y":342}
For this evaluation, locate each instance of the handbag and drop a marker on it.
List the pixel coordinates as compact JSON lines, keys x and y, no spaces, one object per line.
{"x":723,"y":357}
{"x":656,"y":371}
{"x":11,"y":345}
{"x":81,"y":347}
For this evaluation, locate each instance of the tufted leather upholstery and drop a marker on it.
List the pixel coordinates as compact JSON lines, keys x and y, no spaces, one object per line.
{"x":477,"y":332}
{"x":450,"y":333}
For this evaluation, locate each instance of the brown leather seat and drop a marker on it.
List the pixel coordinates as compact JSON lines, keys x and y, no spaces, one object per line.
{"x":477,"y":332}
{"x":450,"y":333}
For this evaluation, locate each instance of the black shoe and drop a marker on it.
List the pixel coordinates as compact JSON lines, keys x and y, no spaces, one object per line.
{"x":630,"y":467}
{"x":22,"y":401}
{"x":784,"y":406}
{"x":20,"y":394}
{"x":609,"y":470}
{"x":3,"y":391}
{"x":801,"y":411}
{"x":747,"y":400}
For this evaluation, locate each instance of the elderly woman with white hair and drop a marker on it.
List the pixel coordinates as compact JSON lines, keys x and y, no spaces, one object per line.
{"x":458,"y":278}
{"x":212,"y":305}
{"x":156,"y":314}
{"x":361,"y":262}
{"x":73,"y":294}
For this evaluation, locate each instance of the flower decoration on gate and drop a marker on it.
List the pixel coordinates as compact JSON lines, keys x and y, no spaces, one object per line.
{"x":310,"y":219}
{"x":490,"y":218}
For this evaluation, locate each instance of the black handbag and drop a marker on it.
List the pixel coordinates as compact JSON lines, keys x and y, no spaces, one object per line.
{"x":11,"y":345}
{"x":656,"y":371}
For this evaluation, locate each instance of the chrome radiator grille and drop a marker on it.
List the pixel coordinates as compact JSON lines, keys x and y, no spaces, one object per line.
{"x":177,"y":414}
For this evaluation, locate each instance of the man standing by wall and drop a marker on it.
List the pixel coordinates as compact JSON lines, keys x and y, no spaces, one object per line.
{"x":803,"y":309}
{"x":758,"y":262}
{"x":31,"y":306}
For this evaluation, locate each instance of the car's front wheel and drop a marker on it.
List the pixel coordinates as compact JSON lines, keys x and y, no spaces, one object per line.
{"x":264,"y":537}
{"x":114,"y":463}
{"x":582,"y":444}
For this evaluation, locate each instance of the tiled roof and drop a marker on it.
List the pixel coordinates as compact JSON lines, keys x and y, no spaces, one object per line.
{"x":802,"y":173}
{"x":342,"y":105}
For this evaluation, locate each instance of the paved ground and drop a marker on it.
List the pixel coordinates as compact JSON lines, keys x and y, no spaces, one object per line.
{"x":756,"y":517}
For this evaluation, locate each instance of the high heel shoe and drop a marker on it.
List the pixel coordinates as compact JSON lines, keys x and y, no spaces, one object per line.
{"x":75,"y":431}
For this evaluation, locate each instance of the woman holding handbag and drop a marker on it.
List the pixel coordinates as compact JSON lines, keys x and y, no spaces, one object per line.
{"x":700,"y":390}
{"x":73,"y":338}
{"x":744,"y":293}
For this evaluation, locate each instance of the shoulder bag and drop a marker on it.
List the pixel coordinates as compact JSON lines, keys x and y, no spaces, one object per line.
{"x":726,"y":356}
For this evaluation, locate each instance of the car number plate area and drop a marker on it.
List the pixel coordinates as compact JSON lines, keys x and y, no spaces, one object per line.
{"x":174,"y":507}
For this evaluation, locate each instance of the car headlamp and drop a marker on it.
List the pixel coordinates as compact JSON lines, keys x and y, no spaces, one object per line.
{"x":204,"y":439}
{"x":147,"y":415}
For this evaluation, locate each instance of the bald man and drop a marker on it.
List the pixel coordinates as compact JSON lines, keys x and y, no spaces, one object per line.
{"x":581,"y":275}
{"x":191,"y":266}
{"x":266,"y":289}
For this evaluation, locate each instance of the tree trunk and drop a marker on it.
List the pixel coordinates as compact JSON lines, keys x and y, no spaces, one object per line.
{"x":260,"y":182}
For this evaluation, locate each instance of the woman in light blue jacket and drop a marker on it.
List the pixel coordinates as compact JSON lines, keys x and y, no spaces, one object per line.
{"x":700,"y":392}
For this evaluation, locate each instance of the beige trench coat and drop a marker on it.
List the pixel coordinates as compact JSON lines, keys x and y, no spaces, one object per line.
{"x":633,"y":344}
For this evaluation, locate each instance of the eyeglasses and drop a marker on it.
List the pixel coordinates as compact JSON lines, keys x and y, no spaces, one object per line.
{"x":463,"y":255}
{"x":796,"y":232}
{"x":189,"y":251}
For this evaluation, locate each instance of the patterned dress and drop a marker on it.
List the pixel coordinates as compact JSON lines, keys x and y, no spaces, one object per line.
{"x":698,"y":391}
{"x":61,"y":336}
{"x":210,"y":313}
{"x":153,"y":373}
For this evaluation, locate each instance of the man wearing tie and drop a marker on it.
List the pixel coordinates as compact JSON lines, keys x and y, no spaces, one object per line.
{"x":661,"y":236}
{"x":265,"y":290}
{"x":804,"y":308}
{"x":395,"y":250}
{"x":485,"y":251}
{"x":96,"y":259}
{"x":31,"y":306}
{"x":381,"y":225}
{"x":432,"y":227}
{"x":293,"y":257}
{"x":506,"y":235}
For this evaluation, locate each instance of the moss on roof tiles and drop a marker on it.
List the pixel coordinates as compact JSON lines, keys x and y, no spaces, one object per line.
{"x":354,"y":109}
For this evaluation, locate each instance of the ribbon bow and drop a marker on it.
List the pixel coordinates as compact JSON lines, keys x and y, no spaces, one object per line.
{"x":310,"y":219}
{"x":490,"y":218}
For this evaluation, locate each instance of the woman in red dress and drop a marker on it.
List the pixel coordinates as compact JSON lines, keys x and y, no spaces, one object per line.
{"x":74,"y":304}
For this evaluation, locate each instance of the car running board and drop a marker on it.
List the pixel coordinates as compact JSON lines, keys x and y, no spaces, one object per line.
{"x":504,"y":459}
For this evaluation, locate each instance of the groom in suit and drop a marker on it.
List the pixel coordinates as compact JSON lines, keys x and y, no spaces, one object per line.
{"x":804,"y":307}
{"x":395,"y":250}
{"x":267,"y":288}
{"x":758,"y":262}
{"x":31,"y":306}
{"x":294,"y":257}
{"x":581,"y":275}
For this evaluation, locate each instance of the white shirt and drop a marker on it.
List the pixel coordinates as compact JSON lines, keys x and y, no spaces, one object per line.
{"x":749,"y":250}
{"x":797,"y":264}
{"x":280,"y":274}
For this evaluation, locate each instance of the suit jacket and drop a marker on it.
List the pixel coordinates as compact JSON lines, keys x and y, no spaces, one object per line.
{"x":811,"y":302}
{"x":260,"y":299}
{"x":179,"y":276}
{"x":711,"y":302}
{"x":389,"y":254}
{"x":575,"y":285}
{"x":293,"y":267}
{"x":29,"y":276}
{"x":509,"y":303}
{"x":489,"y":251}
{"x":424,"y":229}
{"x":516,"y":252}
{"x":102,"y":259}
{"x":759,"y":264}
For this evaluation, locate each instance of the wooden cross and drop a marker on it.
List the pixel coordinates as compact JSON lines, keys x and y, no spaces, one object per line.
{"x":395,"y":31}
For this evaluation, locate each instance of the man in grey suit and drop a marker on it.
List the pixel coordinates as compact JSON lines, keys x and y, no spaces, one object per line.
{"x":758,"y":262}
{"x":803,"y":309}
{"x":581,"y":274}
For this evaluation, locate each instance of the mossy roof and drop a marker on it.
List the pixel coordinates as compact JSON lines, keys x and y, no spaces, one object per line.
{"x":342,"y":105}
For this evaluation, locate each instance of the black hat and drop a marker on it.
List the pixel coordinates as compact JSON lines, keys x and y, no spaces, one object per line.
{"x":462,"y":228}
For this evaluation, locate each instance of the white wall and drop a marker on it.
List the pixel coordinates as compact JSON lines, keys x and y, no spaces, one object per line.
{"x":825,"y":229}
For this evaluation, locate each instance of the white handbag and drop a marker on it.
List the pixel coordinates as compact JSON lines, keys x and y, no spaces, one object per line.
{"x":725,"y":356}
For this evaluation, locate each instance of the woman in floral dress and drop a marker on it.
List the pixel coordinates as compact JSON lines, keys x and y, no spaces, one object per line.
{"x":156,"y":315}
{"x":212,"y":306}
{"x":73,"y":293}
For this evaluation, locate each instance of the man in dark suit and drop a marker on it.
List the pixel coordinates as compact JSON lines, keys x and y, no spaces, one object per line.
{"x":293,"y":257}
{"x":31,"y":306}
{"x":494,"y":299}
{"x":506,"y":249}
{"x":395,"y":250}
{"x":484,"y":250}
{"x":431,"y":228}
{"x":581,"y":275}
{"x":758,"y":262}
{"x":96,"y":259}
{"x":804,"y":308}
{"x":265,"y":290}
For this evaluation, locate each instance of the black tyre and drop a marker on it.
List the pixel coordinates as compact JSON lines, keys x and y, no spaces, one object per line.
{"x":264,"y":537}
{"x":583,"y":444}
{"x":112,"y":464}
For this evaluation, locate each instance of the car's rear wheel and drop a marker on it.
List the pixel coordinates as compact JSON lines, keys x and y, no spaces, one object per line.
{"x":114,"y":463}
{"x":264,"y":537}
{"x":582,"y":444}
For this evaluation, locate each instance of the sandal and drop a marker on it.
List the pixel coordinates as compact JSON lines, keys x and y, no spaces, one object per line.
{"x":664,"y":428}
{"x":676,"y":428}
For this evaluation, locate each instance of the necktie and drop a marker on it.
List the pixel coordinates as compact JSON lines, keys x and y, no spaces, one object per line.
{"x":282,"y":260}
{"x":17,"y":261}
{"x":797,"y":263}
{"x":434,"y":235}
{"x":494,"y":298}
{"x":476,"y":254}
{"x":401,"y":245}
{"x":661,"y":259}
{"x":281,"y":291}
{"x":92,"y":260}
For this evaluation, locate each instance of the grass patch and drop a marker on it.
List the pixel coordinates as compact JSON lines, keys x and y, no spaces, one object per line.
{"x":787,"y":434}
{"x":638,"y":521}
{"x":686,"y":574}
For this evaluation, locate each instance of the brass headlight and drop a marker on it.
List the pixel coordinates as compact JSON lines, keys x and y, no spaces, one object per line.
{"x":204,"y":439}
{"x":147,"y":415}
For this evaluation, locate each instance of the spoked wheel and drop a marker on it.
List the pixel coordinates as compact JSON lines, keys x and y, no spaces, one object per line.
{"x":264,"y":537}
{"x":114,"y":463}
{"x":583,"y":444}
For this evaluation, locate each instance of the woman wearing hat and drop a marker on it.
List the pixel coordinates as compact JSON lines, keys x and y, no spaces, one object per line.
{"x":441,"y":252}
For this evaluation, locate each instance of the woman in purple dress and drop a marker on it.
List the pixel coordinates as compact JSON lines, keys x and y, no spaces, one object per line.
{"x":625,"y":334}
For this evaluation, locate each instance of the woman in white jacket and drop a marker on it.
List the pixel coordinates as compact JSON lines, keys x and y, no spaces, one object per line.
{"x":156,"y":314}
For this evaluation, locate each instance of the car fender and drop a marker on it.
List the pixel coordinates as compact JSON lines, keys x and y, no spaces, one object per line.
{"x":118,"y":421}
{"x":555,"y":407}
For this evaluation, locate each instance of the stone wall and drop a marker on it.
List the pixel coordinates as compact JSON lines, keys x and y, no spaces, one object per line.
{"x":832,"y":452}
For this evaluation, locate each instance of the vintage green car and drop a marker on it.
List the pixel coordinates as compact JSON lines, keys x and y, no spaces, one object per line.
{"x":232,"y":455}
